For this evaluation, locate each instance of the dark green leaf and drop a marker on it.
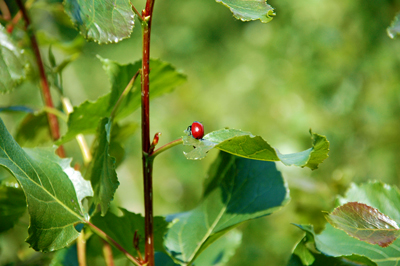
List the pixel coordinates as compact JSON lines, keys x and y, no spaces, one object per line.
{"x":101,"y":171}
{"x":303,"y":253}
{"x":244,"y":144}
{"x":66,"y":257}
{"x":53,"y":191}
{"x":12,"y":206}
{"x":33,"y":131}
{"x":13,"y":63}
{"x":238,"y":190}
{"x":119,"y":134}
{"x":247,"y":10}
{"x":394,"y":28}
{"x":122,"y":229}
{"x":103,"y":21}
{"x":364,"y":223}
{"x":85,"y":118}
{"x":16,"y":108}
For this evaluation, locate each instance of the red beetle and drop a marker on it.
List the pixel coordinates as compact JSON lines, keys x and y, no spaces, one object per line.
{"x":196,"y":130}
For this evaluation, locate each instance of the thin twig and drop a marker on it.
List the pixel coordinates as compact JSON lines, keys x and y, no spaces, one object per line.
{"x":107,"y":253}
{"x":137,"y":12}
{"x":81,"y":249}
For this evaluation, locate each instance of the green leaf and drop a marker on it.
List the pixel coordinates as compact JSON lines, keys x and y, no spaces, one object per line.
{"x":237,"y":190}
{"x":244,"y":144}
{"x":320,"y":259}
{"x":122,"y":229}
{"x":394,"y":28}
{"x":119,"y":134}
{"x":12,"y":206}
{"x":33,"y":131}
{"x":101,"y":171}
{"x":335,"y":242}
{"x":364,"y":223}
{"x":247,"y":10}
{"x":85,"y":118}
{"x":53,"y":191}
{"x":13,"y":63}
{"x":219,"y":252}
{"x":103,"y":21}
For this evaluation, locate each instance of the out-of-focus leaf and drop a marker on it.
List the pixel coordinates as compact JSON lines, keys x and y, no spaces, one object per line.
{"x":335,"y":242}
{"x":394,"y":28}
{"x":119,"y":134}
{"x":33,"y":131}
{"x":103,"y":21}
{"x":12,"y":206}
{"x":320,"y":259}
{"x":247,"y":10}
{"x":364,"y":223}
{"x":13,"y":63}
{"x":219,"y":252}
{"x":65,"y":257}
{"x":53,"y":191}
{"x":244,"y":144}
{"x":85,"y":118}
{"x":237,"y":190}
{"x":16,"y":108}
{"x":101,"y":171}
{"x":122,"y":229}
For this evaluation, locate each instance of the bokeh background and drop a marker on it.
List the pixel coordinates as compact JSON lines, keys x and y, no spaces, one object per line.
{"x":325,"y":65}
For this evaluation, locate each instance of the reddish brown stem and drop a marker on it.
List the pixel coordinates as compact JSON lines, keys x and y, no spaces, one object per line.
{"x":53,"y":122}
{"x":147,"y":161}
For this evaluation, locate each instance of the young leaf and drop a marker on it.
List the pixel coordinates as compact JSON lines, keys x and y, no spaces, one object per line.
{"x":122,"y":229}
{"x":85,"y":118}
{"x":394,"y":28}
{"x":364,"y":223}
{"x":13,"y":63}
{"x":103,"y":21}
{"x":53,"y":191}
{"x":101,"y":171}
{"x":12,"y":206}
{"x":244,"y":144}
{"x":247,"y":10}
{"x":237,"y":190}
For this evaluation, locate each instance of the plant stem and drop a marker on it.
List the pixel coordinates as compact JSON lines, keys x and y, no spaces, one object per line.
{"x":107,"y":253}
{"x":111,"y":241}
{"x":53,"y":122}
{"x":166,"y":147}
{"x":81,"y":249}
{"x":147,"y":15}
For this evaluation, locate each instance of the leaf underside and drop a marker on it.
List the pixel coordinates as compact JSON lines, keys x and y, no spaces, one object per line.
{"x":48,"y":183}
{"x":238,"y":190}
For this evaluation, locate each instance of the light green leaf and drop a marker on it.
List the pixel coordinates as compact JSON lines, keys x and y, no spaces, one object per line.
{"x":247,"y":10}
{"x":85,"y":118}
{"x":394,"y":28}
{"x":13,"y":63}
{"x":12,"y":206}
{"x":364,"y":223}
{"x":101,"y":171}
{"x":48,"y":183}
{"x":103,"y":21}
{"x":122,"y":229}
{"x":244,"y":144}
{"x":237,"y":190}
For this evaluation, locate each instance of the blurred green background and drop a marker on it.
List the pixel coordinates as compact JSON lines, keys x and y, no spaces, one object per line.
{"x":325,"y":65}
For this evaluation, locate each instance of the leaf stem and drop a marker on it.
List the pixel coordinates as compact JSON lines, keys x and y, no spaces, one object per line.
{"x":111,"y":241}
{"x":81,"y":248}
{"x":107,"y":253}
{"x":166,"y":147}
{"x":147,"y":14}
{"x":123,"y":95}
{"x":53,"y":122}
{"x":137,"y":12}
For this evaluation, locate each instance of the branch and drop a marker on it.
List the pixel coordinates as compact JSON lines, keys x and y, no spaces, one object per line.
{"x":53,"y":122}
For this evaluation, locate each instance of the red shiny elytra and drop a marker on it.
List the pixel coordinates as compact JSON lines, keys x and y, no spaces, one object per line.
{"x":196,"y":130}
